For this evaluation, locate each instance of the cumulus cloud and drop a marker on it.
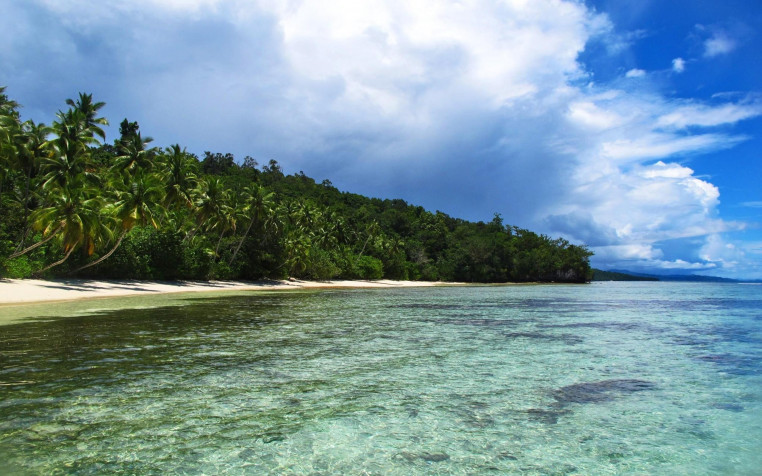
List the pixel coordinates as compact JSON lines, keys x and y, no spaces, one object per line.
{"x":635,"y":73}
{"x":678,"y":65}
{"x":469,"y":107}
{"x":716,"y":250}
{"x":719,"y":44}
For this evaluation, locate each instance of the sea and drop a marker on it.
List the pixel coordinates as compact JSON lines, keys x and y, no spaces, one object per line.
{"x":641,"y":378}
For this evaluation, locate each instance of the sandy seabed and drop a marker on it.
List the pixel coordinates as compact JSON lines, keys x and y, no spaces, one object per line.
{"x":25,"y":291}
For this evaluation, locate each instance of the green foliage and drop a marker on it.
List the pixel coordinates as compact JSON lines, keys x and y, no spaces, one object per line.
{"x":146,"y":253}
{"x":323,"y":265}
{"x":216,"y":164}
{"x":197,"y":262}
{"x":19,"y":268}
{"x":368,"y":267}
{"x":71,"y":204}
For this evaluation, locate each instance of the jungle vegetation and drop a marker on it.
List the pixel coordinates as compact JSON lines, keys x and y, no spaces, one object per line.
{"x":74,"y":205}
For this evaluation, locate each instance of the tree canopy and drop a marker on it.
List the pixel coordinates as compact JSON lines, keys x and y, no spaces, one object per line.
{"x":74,"y":205}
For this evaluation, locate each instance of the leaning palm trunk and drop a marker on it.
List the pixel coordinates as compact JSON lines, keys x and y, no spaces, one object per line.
{"x":36,"y":245}
{"x":364,"y":245}
{"x":217,"y":248}
{"x":26,"y":214}
{"x":104,"y":257}
{"x":189,"y":236}
{"x":237,"y":248}
{"x":68,"y":253}
{"x":24,"y":235}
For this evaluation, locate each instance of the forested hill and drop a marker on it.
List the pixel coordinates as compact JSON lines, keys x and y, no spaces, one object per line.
{"x":73,"y":204}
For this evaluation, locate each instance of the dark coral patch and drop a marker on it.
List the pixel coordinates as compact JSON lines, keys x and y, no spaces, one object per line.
{"x":596,"y":392}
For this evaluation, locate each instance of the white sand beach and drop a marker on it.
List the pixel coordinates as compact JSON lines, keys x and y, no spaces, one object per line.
{"x":25,"y":291}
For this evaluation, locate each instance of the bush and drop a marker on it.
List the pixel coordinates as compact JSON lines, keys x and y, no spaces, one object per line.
{"x":18,"y":268}
{"x":196,"y":262}
{"x":368,"y":267}
{"x":322,"y":266}
{"x":146,"y":253}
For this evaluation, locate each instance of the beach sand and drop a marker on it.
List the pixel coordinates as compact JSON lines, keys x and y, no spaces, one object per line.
{"x":26,"y":291}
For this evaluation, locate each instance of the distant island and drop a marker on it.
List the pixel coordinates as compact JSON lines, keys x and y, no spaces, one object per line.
{"x":601,"y":275}
{"x":74,"y":205}
{"x":623,"y":275}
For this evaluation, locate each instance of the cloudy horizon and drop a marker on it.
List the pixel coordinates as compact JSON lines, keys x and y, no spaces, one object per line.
{"x":574,"y":119}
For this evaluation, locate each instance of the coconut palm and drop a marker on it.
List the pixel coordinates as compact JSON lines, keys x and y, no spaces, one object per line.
{"x":31,"y":146}
{"x":73,"y":216}
{"x":136,"y":205}
{"x":179,"y":176}
{"x":372,"y":230}
{"x":134,"y":156}
{"x":89,"y":110}
{"x":70,"y":153}
{"x":258,"y":205}
{"x":213,"y":210}
{"x":9,"y":128}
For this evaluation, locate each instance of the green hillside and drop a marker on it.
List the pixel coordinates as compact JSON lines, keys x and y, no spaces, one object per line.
{"x":75,"y":205}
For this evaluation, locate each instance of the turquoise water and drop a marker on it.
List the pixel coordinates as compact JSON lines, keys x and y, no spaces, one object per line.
{"x":608,"y":378}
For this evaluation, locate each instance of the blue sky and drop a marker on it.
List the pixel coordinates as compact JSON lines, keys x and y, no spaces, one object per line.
{"x":634,"y":127}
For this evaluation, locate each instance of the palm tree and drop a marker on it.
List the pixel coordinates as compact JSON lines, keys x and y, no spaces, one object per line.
{"x":71,"y":151}
{"x":134,"y":206}
{"x":9,"y":127}
{"x":371,"y":230}
{"x":89,"y":110}
{"x":31,"y":148}
{"x":74,"y":216}
{"x":259,"y":204}
{"x":65,"y":181}
{"x":9,"y":124}
{"x":213,"y":211}
{"x":134,"y":156}
{"x":179,"y":177}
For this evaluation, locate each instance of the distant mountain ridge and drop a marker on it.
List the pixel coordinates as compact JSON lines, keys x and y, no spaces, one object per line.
{"x":601,"y":275}
{"x":625,"y":275}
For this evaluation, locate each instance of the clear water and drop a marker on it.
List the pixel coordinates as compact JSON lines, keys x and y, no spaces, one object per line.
{"x":609,"y":378}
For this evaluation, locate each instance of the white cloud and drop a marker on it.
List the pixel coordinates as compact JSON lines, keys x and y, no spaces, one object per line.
{"x":708,"y":116}
{"x":678,"y":65}
{"x":471,"y":107}
{"x":587,"y":113}
{"x":719,"y":44}
{"x":656,"y":145}
{"x":717,"y":250}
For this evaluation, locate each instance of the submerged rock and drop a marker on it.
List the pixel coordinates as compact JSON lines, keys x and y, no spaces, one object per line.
{"x":731,"y":407}
{"x":546,"y":416}
{"x":434,"y":457}
{"x":603,"y":391}
{"x":425,"y":456}
{"x":246,"y":454}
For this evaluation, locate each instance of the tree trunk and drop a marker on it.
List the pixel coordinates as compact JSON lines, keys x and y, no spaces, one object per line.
{"x":39,"y":243}
{"x":189,"y":236}
{"x":104,"y":257}
{"x":237,"y":248}
{"x":27,"y":229}
{"x":364,"y":245}
{"x":217,"y":248}
{"x":68,"y":253}
{"x":26,"y":212}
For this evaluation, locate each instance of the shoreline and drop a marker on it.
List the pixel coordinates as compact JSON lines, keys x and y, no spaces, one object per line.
{"x":19,"y":292}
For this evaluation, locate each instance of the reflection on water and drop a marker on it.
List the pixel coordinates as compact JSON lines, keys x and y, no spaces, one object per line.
{"x":612,"y":378}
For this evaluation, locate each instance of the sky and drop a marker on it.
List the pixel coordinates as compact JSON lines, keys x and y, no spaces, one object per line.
{"x":631,"y":126}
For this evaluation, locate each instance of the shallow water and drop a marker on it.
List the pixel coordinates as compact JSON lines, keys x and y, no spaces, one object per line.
{"x":609,"y":378}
